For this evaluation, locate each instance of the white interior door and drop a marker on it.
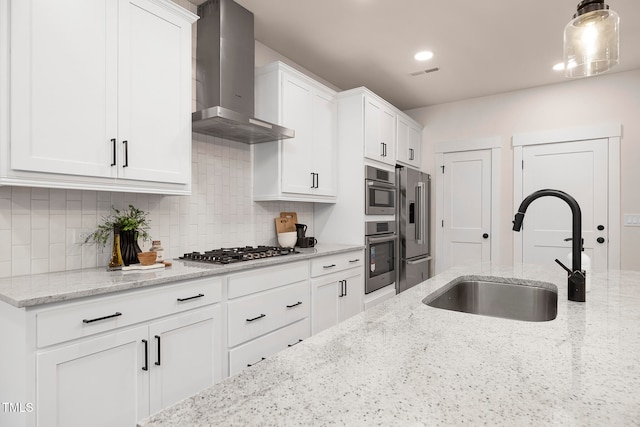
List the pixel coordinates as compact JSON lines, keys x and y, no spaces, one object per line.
{"x":467,"y":207}
{"x":580,"y":169}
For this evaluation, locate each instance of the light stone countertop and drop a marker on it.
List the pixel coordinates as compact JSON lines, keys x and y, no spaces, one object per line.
{"x":38,"y":289}
{"x":404,"y":363}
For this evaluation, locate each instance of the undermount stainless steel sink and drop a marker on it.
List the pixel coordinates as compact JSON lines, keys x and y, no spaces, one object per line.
{"x":523,"y":300}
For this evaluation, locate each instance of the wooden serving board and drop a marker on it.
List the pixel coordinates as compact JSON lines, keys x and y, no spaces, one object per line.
{"x":285,"y":225}
{"x":291,"y":215}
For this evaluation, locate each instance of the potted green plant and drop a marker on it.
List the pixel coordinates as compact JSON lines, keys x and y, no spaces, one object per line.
{"x":129,"y":224}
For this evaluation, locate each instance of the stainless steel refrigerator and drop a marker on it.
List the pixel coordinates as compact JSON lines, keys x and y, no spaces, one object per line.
{"x":414,"y":194}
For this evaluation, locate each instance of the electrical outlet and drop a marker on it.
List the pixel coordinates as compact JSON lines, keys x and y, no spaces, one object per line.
{"x":632,"y":220}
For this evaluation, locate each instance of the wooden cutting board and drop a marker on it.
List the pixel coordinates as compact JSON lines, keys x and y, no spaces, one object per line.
{"x":291,"y":215}
{"x":285,"y":225}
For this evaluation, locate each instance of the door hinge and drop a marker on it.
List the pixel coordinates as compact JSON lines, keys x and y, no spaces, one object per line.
{"x":443,"y":222}
{"x":523,"y":164}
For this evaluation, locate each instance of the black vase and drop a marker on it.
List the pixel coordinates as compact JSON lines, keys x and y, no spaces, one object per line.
{"x":129,"y":247}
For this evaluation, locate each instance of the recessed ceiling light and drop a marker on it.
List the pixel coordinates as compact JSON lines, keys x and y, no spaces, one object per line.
{"x":423,"y":56}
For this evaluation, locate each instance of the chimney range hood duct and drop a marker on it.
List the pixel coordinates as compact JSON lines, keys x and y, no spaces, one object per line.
{"x":225,"y":63}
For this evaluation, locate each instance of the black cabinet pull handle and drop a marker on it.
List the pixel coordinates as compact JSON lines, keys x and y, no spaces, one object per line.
{"x":341,"y":288}
{"x":116,"y":314}
{"x":146,"y":356}
{"x":251,"y":364}
{"x":345,"y":288}
{"x":293,"y":305}
{"x":113,"y":159}
{"x":354,"y":260}
{"x":328,"y":266}
{"x":291,"y":345}
{"x":313,"y":180}
{"x":158,"y":361}
{"x":256,"y":318}
{"x":317,"y":180}
{"x":126,"y":153}
{"x":410,"y":153}
{"x":193,"y":297}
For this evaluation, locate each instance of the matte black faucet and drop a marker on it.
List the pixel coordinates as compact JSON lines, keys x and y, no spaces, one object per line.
{"x":576,"y":276}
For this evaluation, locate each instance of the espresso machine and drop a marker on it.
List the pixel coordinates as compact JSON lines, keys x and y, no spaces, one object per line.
{"x":303,"y":240}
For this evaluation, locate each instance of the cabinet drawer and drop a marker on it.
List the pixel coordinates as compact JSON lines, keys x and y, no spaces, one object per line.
{"x":263,"y":279}
{"x":333,"y":263}
{"x":100,"y":314}
{"x":261,"y":313}
{"x":259,"y":349}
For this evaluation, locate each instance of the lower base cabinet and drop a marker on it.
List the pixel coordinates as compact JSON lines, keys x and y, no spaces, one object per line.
{"x":120,"y":378}
{"x":336,"y":297}
{"x":97,"y":379}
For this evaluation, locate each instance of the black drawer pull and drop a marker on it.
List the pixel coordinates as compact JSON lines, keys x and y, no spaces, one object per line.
{"x":158,"y":361}
{"x":193,"y":297}
{"x":146,"y":356}
{"x":293,"y":305}
{"x":116,"y":314}
{"x":251,"y":364}
{"x":328,"y":266}
{"x":354,"y":260}
{"x":291,"y":345}
{"x":256,"y":318}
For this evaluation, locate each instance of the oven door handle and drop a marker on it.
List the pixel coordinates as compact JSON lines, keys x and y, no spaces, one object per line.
{"x":381,"y":239}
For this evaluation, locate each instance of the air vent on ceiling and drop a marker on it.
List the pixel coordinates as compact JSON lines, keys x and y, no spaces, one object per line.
{"x":419,"y":73}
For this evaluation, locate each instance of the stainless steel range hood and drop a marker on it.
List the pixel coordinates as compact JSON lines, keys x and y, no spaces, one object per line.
{"x":225,"y":63}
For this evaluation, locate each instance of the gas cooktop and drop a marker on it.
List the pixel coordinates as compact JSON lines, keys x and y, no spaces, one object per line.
{"x":229,"y":255}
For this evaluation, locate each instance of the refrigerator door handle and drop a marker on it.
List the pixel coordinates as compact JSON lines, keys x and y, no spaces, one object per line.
{"x":419,"y":261}
{"x":420,"y":221}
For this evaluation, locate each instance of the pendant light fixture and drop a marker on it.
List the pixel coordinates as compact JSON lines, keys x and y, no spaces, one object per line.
{"x":591,"y":40}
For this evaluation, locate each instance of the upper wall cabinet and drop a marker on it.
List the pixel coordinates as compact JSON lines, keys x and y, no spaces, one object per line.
{"x":409,"y":134}
{"x":379,"y":130}
{"x":100,"y":95}
{"x":301,"y":168}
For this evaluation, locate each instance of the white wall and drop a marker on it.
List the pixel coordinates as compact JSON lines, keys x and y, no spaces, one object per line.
{"x":39,"y":227}
{"x":612,"y":98}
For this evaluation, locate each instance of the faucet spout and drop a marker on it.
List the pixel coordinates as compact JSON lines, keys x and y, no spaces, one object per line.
{"x":576,"y":277}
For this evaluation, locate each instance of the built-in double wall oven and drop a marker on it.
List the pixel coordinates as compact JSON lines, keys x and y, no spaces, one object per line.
{"x":379,"y":191}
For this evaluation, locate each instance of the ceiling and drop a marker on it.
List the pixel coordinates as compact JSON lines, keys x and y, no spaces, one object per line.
{"x":481,"y":47}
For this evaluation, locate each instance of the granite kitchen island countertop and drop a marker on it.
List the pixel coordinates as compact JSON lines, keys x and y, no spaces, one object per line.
{"x":38,"y":289}
{"x":405,"y":363}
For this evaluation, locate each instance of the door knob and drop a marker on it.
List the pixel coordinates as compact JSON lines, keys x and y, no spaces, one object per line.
{"x":600,"y":240}
{"x":485,"y":236}
{"x":601,"y":227}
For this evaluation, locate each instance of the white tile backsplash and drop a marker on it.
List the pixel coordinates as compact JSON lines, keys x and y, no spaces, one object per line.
{"x":40,"y":228}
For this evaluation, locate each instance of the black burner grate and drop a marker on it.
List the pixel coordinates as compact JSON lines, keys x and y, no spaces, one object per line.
{"x":239,"y":254}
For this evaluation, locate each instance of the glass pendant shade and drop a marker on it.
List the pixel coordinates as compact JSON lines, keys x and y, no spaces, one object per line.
{"x":591,"y":42}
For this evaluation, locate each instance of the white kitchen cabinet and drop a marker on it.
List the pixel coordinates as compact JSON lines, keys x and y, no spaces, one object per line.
{"x":379,"y":130}
{"x":337,"y":288}
{"x":82,"y":383}
{"x":268,"y":310}
{"x":186,"y":356}
{"x":139,"y":370}
{"x":301,"y":168}
{"x":409,"y":139}
{"x":115,"y":359}
{"x":100,"y":95}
